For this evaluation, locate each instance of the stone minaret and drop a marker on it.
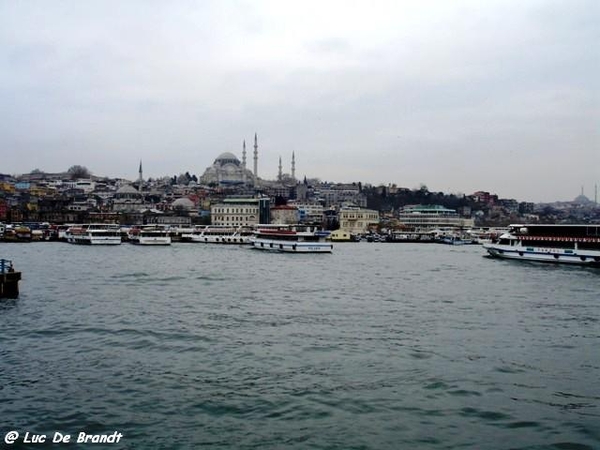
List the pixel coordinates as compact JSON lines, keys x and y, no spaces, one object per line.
{"x":293,"y":166}
{"x":255,"y":159}
{"x":141,"y":178}
{"x":280,"y":174}
{"x":244,"y":154}
{"x":244,"y":179}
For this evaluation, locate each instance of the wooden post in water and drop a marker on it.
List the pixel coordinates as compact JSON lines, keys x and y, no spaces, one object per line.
{"x":9,"y":280}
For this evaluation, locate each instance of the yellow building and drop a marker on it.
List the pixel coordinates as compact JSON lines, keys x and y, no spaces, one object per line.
{"x":357,"y":220}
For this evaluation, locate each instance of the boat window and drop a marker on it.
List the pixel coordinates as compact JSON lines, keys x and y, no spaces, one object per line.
{"x":589,"y":245}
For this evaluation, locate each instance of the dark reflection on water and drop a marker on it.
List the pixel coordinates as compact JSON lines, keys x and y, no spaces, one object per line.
{"x":376,"y":346}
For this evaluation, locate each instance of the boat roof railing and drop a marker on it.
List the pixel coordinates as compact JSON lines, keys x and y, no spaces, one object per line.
{"x":6,"y":265}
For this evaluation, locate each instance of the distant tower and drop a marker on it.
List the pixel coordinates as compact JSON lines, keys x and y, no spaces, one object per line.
{"x":293,"y":166}
{"x":141,"y":178}
{"x":255,"y":159}
{"x":280,"y":174}
{"x":244,"y":178}
{"x":244,"y":154}
{"x":596,"y":194}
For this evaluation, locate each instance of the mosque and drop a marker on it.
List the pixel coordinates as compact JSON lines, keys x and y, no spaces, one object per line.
{"x":227,"y":170}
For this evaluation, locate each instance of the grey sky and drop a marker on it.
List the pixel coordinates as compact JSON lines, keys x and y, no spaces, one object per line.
{"x":458,"y":95}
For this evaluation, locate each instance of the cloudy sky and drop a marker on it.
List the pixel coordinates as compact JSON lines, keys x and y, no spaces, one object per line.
{"x":457,"y":95}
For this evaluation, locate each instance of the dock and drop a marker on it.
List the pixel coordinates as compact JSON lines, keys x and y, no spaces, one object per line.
{"x":9,"y":280}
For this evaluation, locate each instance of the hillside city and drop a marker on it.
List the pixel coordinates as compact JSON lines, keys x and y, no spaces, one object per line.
{"x":218,"y":196}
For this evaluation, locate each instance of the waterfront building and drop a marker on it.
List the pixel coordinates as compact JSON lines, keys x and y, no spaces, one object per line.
{"x":428,"y":217}
{"x":240,"y":211}
{"x":356,"y":220}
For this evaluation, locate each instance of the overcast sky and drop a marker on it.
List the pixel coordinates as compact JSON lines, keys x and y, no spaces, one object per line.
{"x":457,"y":95}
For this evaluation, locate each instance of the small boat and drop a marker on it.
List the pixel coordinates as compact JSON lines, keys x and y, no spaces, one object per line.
{"x":94,"y":234}
{"x":214,"y":234}
{"x":455,"y":240}
{"x":150,"y":235}
{"x":291,"y":238}
{"x":568,"y":244}
{"x":17,"y":233}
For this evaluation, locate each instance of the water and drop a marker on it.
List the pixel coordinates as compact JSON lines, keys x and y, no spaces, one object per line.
{"x":376,"y":346}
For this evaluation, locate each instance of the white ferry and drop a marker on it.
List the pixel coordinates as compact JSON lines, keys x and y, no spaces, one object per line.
{"x":291,"y":238}
{"x":215,"y":234}
{"x":570,"y":244}
{"x":150,"y":235}
{"x":94,"y":234}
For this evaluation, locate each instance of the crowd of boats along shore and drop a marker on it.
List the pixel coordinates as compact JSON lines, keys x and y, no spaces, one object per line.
{"x":556,"y":243}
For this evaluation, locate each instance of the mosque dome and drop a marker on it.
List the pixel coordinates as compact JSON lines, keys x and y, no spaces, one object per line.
{"x":227,"y":158}
{"x":127,"y":189}
{"x":582,"y":200}
{"x":183,"y":202}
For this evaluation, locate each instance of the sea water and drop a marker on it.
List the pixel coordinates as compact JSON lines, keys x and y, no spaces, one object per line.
{"x":375,"y":346}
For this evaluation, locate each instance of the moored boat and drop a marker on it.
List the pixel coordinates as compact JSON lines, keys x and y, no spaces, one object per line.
{"x":455,"y":240}
{"x":94,"y":234}
{"x":291,"y":238}
{"x":150,"y":235}
{"x":213,"y":234}
{"x":17,"y":233}
{"x":568,"y":244}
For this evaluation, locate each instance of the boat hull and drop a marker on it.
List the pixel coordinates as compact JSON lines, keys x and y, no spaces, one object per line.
{"x":96,"y":240}
{"x":274,"y":245}
{"x":239,"y":240}
{"x":154,"y":241}
{"x":548,"y":255}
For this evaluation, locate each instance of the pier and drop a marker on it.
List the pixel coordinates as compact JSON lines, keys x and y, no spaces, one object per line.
{"x":9,"y":280}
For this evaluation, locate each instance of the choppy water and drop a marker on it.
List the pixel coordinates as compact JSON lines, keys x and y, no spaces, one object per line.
{"x":376,"y":346}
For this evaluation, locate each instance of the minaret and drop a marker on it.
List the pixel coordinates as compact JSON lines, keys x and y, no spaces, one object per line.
{"x":141,"y":178}
{"x":255,"y":159}
{"x":280,"y":174}
{"x":293,"y":166}
{"x":244,"y":154}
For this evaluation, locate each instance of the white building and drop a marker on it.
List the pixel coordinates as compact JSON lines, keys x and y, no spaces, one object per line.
{"x":308,"y":212}
{"x":426,"y":217}
{"x":236,"y":212}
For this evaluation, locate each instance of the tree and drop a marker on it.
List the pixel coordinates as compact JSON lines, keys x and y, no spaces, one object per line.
{"x":78,"y":171}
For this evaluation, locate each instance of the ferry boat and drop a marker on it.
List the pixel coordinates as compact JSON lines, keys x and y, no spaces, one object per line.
{"x":149,"y":235}
{"x":569,"y":244}
{"x":215,"y":234}
{"x":291,"y":238}
{"x":94,"y":234}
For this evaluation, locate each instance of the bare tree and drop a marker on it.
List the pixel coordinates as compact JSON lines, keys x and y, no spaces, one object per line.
{"x":78,"y":171}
